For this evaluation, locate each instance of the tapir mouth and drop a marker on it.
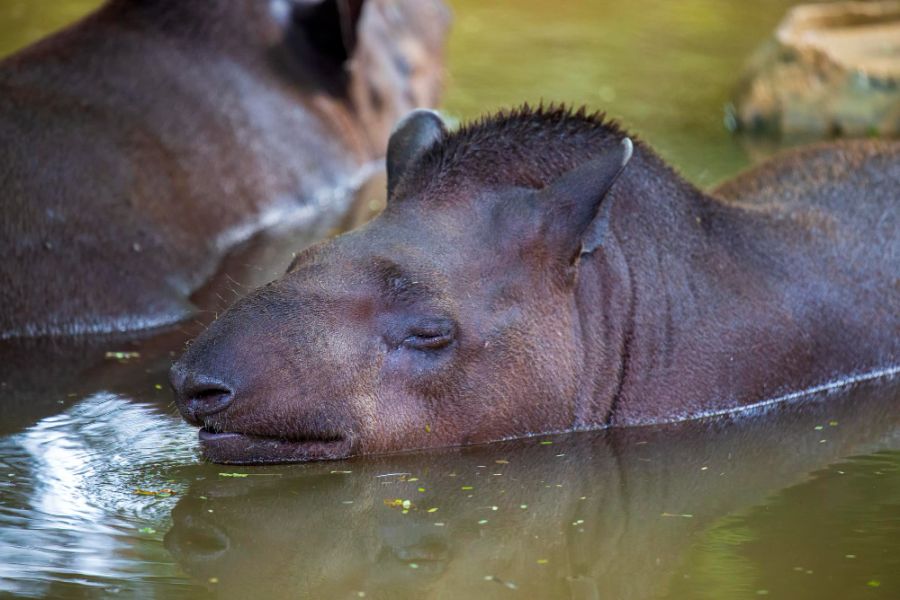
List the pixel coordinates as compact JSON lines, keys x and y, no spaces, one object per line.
{"x":243,"y":449}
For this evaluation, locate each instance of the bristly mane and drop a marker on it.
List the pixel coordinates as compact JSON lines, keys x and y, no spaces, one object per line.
{"x":522,"y":147}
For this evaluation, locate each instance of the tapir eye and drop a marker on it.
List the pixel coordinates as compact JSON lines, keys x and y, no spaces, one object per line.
{"x":433,"y":335}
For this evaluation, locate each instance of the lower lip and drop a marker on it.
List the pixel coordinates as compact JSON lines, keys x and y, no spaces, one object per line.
{"x":240,"y":449}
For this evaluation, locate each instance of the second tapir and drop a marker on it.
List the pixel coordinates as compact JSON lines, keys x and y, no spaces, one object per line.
{"x":143,"y":143}
{"x":536,"y":271}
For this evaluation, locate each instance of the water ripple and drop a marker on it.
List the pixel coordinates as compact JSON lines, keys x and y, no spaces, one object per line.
{"x":68,"y":507}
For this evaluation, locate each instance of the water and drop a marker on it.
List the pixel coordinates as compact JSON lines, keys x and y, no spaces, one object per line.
{"x":102,"y":492}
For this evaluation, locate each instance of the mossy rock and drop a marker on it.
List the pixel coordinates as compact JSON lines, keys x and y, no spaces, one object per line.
{"x":831,"y":69}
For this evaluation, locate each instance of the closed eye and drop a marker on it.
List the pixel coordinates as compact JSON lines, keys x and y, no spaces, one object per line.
{"x":430,"y":335}
{"x":428,"y":341}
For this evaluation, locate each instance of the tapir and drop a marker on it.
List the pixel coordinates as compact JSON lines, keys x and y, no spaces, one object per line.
{"x":143,"y":143}
{"x":540,"y":271}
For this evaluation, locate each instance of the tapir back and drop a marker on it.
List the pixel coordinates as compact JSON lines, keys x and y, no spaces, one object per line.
{"x":825,"y":221}
{"x":150,"y":138}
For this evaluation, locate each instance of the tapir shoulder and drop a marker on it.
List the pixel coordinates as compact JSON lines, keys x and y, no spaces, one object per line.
{"x":853,"y":176}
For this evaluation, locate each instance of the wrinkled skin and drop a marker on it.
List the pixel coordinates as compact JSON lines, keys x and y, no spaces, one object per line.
{"x":474,"y":309}
{"x":151,"y":138}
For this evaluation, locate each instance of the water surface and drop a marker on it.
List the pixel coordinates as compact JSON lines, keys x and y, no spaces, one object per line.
{"x":102,"y":492}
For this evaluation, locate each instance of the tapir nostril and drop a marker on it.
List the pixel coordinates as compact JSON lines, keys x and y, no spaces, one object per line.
{"x":208,"y":400}
{"x":199,"y":396}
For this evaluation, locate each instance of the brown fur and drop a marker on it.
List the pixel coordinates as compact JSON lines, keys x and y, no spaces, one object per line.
{"x":142,"y":143}
{"x":467,"y":312}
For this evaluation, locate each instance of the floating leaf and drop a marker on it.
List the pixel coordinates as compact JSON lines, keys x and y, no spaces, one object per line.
{"x":121,"y":355}
{"x":163,"y":493}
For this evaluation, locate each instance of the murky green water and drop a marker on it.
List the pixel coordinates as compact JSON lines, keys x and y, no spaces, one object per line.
{"x":102,"y":493}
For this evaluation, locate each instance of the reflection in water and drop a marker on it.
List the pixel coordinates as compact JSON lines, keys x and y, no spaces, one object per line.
{"x":614,"y":514}
{"x":835,"y":536}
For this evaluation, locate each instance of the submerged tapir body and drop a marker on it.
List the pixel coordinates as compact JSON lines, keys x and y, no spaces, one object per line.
{"x":535,"y":271}
{"x":144,"y":142}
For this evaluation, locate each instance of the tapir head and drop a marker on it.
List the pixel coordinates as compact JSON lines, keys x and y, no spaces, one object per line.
{"x":450,"y":319}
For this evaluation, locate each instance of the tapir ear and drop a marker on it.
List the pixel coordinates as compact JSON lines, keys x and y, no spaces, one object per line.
{"x":330,"y":26}
{"x":573,"y":212}
{"x":415,"y":133}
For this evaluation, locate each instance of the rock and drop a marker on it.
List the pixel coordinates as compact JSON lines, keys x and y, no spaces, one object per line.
{"x":831,"y":69}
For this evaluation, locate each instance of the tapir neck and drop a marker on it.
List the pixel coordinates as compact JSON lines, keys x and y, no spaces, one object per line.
{"x":634,"y":288}
{"x":246,"y":37}
{"x":694,"y":305}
